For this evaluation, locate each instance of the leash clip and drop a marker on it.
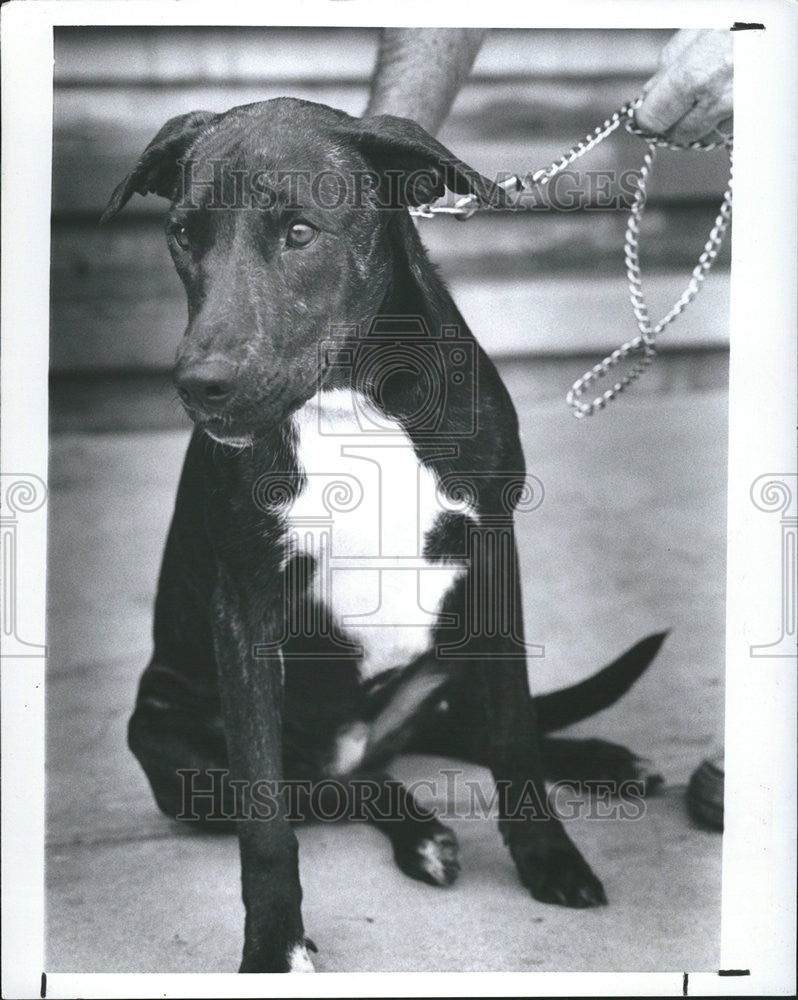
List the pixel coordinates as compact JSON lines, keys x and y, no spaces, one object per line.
{"x":423,"y":212}
{"x":468,"y":204}
{"x":466,"y":207}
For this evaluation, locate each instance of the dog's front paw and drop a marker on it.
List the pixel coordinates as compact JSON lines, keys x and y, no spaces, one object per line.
{"x":430,"y":857}
{"x":298,"y":958}
{"x":554,"y":871}
{"x":295,"y":958}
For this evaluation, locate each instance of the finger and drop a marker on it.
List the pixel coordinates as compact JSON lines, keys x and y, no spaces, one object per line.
{"x":712,"y":108}
{"x":726,"y":126}
{"x":676,"y":44}
{"x":699,"y":124}
{"x":701,"y":77}
{"x":668,"y":100}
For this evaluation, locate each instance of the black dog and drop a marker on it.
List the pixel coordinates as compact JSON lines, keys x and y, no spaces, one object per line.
{"x":340,"y":579}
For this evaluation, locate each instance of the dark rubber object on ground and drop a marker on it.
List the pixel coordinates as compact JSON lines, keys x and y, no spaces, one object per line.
{"x":705,"y":794}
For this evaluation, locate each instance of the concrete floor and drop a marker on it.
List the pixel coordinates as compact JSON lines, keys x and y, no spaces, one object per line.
{"x":630,"y":540}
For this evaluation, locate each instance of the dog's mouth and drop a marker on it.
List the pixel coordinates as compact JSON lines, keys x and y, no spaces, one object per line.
{"x":247,"y":426}
{"x":225,"y":433}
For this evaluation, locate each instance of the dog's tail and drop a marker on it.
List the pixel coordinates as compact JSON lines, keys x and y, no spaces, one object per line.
{"x":572,"y":704}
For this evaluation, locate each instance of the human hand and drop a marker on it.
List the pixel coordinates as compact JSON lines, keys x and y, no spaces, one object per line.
{"x":690,"y":95}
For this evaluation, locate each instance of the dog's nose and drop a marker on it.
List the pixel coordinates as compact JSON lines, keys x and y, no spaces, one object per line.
{"x":208,"y":384}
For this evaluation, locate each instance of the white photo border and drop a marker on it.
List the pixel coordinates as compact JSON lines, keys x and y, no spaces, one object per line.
{"x":758,"y":913}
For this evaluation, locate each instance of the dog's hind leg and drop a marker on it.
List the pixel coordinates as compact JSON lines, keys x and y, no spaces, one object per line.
{"x":458,"y":728}
{"x":423,"y":847}
{"x":177,"y":736}
{"x":592,"y":761}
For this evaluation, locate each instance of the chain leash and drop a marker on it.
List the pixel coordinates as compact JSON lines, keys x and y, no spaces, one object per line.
{"x":644,"y":343}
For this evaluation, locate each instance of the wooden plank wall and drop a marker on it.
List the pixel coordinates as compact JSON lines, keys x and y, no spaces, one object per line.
{"x":116,"y":305}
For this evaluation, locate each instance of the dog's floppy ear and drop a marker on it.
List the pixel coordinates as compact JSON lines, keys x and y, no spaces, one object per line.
{"x":156,"y":171}
{"x":421,"y":165}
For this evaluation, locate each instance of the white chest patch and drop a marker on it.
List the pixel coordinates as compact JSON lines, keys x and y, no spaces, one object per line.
{"x":363,"y":515}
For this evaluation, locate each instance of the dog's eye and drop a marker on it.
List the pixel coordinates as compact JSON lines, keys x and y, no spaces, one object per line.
{"x":180,"y":236}
{"x":301,"y":234}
